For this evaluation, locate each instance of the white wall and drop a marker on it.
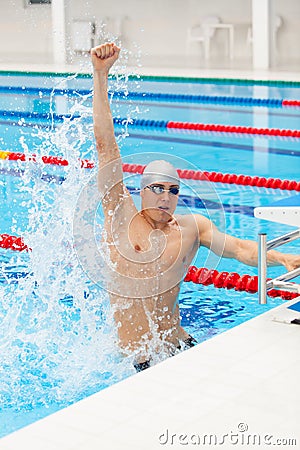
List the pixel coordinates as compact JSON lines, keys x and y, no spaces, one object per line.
{"x":25,"y":32}
{"x":159,"y":27}
{"x":156,"y":27}
{"x":289,"y":34}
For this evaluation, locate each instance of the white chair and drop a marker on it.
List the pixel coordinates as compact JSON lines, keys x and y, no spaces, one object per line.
{"x":83,"y":33}
{"x":110,"y":29}
{"x":203,"y":33}
{"x":277,"y":25}
{"x":119,"y":26}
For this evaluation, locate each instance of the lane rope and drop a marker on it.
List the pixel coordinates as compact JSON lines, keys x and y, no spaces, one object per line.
{"x":53,"y":160}
{"x":156,"y":96}
{"x":204,"y":276}
{"x":234,"y":129}
{"x":15,"y":243}
{"x":155,"y":78}
{"x":145,"y":123}
{"x":218,"y":177}
{"x":232,"y":280}
{"x":215,"y":177}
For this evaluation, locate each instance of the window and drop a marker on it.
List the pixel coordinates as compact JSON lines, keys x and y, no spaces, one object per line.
{"x":39,"y":2}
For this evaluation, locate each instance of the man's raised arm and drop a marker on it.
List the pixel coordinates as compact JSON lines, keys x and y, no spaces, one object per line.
{"x":110,"y":165}
{"x":103,"y":58}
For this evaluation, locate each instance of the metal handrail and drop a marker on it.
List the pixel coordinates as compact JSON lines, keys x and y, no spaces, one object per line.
{"x":282,"y":281}
{"x":284,"y":239}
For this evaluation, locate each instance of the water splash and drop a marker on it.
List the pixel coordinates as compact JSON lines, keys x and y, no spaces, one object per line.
{"x":57,"y":335}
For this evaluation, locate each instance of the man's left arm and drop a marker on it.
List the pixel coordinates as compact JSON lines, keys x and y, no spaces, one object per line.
{"x":245,"y":251}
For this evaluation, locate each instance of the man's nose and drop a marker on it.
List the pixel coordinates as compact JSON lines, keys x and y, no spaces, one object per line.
{"x":166,"y":194}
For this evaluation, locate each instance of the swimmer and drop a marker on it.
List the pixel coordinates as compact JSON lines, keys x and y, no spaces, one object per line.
{"x":151,"y":249}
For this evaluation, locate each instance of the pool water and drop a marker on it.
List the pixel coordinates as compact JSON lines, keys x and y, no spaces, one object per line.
{"x":57,"y":333}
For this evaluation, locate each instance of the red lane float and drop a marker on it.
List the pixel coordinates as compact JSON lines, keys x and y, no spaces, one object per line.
{"x":216,"y":177}
{"x":227,"y":280}
{"x":232,"y":280}
{"x":291,"y":103}
{"x":231,"y":178}
{"x":53,"y":160}
{"x":234,"y":129}
{"x":13,"y":243}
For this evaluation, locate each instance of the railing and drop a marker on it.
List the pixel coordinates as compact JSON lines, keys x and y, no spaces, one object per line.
{"x":281,"y":282}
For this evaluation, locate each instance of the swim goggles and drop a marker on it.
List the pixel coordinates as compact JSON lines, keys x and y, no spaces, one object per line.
{"x":159,"y":189}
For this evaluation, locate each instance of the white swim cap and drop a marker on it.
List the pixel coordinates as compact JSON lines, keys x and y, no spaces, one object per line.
{"x":159,"y":171}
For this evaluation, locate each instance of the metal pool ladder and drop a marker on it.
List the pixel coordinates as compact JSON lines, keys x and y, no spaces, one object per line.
{"x":283,"y":281}
{"x":287,"y":212}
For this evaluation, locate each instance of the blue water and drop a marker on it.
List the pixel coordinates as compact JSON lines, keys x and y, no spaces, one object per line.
{"x":56,"y":331}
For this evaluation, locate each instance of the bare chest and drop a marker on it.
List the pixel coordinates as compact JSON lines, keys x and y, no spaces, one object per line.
{"x":139,"y":248}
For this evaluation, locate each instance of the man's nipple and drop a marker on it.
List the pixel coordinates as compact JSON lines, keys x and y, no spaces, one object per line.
{"x":137,"y":248}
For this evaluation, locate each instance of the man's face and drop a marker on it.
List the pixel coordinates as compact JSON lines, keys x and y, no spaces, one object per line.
{"x":159,"y":200}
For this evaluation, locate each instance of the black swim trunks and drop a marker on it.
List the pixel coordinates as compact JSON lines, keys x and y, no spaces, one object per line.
{"x":188,"y":343}
{"x":142,"y":366}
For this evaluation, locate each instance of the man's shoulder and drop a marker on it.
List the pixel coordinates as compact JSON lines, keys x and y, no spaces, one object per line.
{"x":195,"y":223}
{"x":190,"y":219}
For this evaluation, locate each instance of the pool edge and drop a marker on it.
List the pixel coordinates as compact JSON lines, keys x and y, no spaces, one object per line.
{"x":226,"y":371}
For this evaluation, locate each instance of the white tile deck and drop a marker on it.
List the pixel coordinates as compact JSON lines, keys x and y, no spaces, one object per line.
{"x":85,"y":67}
{"x":248,"y":375}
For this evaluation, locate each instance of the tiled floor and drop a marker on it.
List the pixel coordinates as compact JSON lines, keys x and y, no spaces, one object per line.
{"x":238,"y":387}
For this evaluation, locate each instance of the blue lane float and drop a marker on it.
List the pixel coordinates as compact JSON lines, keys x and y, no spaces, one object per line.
{"x":155,"y":96}
{"x":11,"y":115}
